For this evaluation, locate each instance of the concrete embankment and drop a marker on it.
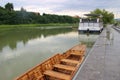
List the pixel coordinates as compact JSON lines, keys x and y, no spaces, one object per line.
{"x":103,"y":61}
{"x":117,"y":28}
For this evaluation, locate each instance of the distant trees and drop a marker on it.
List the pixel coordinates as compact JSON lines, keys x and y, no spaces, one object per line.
{"x":9,"y":6}
{"x":60,"y":19}
{"x":9,"y":16}
{"x":107,"y":17}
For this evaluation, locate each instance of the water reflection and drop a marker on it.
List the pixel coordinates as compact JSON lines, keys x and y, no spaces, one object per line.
{"x":88,"y":39}
{"x":109,"y":35}
{"x":22,"y":49}
{"x":13,"y":36}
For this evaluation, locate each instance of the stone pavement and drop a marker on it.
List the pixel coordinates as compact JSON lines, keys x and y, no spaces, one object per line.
{"x":103,"y":61}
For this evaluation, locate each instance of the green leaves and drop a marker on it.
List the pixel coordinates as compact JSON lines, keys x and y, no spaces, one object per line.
{"x":9,"y":16}
{"x":9,"y":6}
{"x":107,"y":17}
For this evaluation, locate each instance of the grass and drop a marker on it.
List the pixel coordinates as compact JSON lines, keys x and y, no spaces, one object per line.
{"x":20,"y":26}
{"x":35,"y":25}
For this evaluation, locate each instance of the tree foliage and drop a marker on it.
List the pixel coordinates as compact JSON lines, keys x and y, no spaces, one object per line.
{"x":9,"y":16}
{"x":9,"y":6}
{"x":107,"y":17}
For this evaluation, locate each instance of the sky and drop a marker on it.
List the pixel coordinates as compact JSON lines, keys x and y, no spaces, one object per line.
{"x":65,"y":7}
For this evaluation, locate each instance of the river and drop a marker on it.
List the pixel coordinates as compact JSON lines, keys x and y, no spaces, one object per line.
{"x":22,"y":49}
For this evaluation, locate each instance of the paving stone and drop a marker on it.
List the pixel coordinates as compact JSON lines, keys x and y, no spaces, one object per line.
{"x":103,"y":61}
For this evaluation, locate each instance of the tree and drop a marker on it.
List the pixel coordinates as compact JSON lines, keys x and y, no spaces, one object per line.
{"x":9,"y":16}
{"x":107,"y":17}
{"x":23,"y":10}
{"x":9,"y":6}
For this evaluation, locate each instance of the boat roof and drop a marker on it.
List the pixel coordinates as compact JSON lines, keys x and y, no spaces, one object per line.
{"x":95,"y":15}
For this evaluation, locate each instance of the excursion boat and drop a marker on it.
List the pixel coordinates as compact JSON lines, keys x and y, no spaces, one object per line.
{"x":59,"y":67}
{"x":92,"y":23}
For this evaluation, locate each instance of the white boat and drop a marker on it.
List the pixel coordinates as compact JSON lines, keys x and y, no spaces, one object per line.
{"x":90,"y":24}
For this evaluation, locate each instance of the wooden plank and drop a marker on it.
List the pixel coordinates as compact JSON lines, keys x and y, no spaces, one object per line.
{"x":40,"y":78}
{"x":64,"y":67}
{"x":79,"y":47}
{"x":58,"y":75}
{"x":70,"y":61}
{"x":76,"y":54}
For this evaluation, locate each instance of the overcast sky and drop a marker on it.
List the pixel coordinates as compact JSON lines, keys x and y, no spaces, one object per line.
{"x":65,"y":7}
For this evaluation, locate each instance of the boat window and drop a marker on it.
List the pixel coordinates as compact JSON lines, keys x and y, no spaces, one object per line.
{"x":89,"y":21}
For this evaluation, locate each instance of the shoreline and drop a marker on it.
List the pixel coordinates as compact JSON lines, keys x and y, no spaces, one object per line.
{"x":36,"y":25}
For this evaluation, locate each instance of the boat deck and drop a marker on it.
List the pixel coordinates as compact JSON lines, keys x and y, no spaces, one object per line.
{"x":59,"y":67}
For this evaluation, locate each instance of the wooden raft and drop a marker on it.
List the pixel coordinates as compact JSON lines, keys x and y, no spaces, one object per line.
{"x":59,"y":67}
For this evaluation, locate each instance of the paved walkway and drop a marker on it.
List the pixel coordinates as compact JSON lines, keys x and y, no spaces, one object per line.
{"x":103,"y":61}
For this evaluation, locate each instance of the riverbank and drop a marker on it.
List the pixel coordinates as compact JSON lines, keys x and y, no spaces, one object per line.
{"x":42,"y":26}
{"x":37,"y":25}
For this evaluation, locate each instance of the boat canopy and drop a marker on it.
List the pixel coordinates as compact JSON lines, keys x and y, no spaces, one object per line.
{"x":93,"y":15}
